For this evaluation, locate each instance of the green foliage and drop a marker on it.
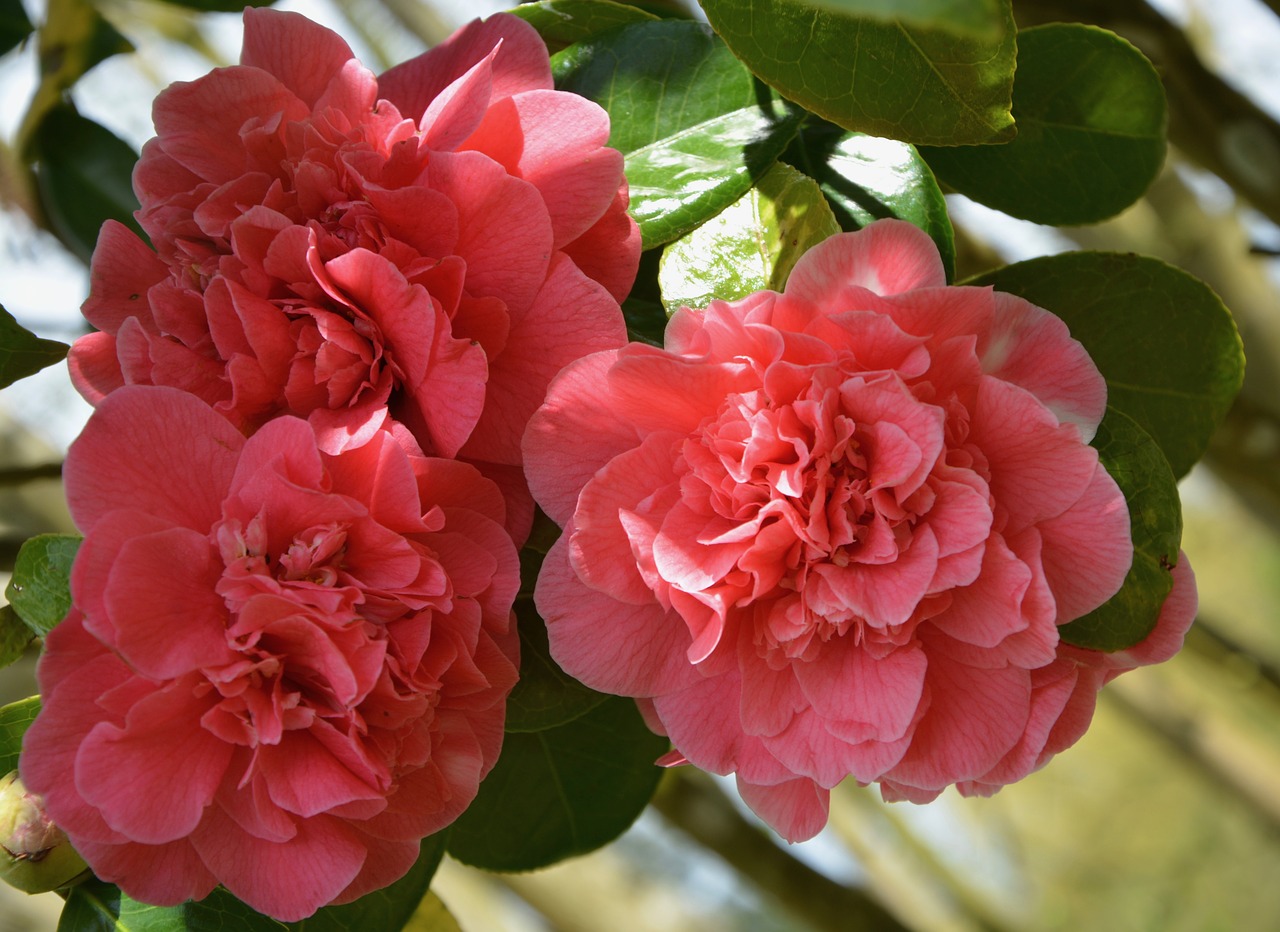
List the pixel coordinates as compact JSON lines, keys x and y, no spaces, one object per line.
{"x":867,"y":178}
{"x":980,"y":18}
{"x":15,"y":26}
{"x":695,"y":128}
{"x":564,"y":22}
{"x":752,"y":244}
{"x":560,"y":792}
{"x":15,"y":635}
{"x":545,"y":696}
{"x":40,"y":590}
{"x":1167,"y":347}
{"x":22,"y":353}
{"x":924,"y":85}
{"x":1091,"y":131}
{"x":15,"y":719}
{"x":85,"y":177}
{"x":1155,"y":519}
{"x":218,"y":6}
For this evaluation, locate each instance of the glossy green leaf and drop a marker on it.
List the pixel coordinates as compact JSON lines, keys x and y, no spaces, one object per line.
{"x":564,"y":22}
{"x":22,"y":353}
{"x":101,"y":907}
{"x":84,"y":174}
{"x":1155,"y":518}
{"x":561,"y":792}
{"x":15,"y":26}
{"x":867,"y":178}
{"x":695,"y":128}
{"x":751,"y":245}
{"x":15,"y":635}
{"x":981,"y":18}
{"x":1163,"y":340}
{"x":1091,"y":131}
{"x":40,"y":590}
{"x":15,"y":719}
{"x":919,"y":84}
{"x":545,"y":696}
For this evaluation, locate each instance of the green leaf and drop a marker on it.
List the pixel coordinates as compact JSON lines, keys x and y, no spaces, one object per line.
{"x":561,"y":792}
{"x":867,"y":178}
{"x":14,"y":24}
{"x":695,"y":128}
{"x":919,"y":84}
{"x":545,"y":696}
{"x":1155,"y":519}
{"x":563,"y":22}
{"x":1091,"y":131}
{"x":101,"y":907}
{"x":1163,"y":340}
{"x":22,"y":353}
{"x":84,"y":176}
{"x":980,"y":18}
{"x":751,"y":245}
{"x":40,"y":590}
{"x":15,"y":635}
{"x":219,"y":6}
{"x":15,"y":719}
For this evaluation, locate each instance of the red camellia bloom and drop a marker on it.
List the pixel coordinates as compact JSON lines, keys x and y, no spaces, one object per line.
{"x":834,"y":531}
{"x":283,"y":667}
{"x":431,"y":245}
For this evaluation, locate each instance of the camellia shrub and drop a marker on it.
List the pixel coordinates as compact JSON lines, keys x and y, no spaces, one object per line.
{"x":590,"y":395}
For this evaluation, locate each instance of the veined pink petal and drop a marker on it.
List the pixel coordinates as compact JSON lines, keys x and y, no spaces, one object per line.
{"x":303,"y":55}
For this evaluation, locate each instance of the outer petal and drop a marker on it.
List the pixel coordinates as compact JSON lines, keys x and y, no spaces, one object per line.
{"x":797,"y":809}
{"x":885,"y":258}
{"x":305,"y":56}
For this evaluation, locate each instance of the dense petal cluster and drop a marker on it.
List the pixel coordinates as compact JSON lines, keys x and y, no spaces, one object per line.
{"x":428,"y":246}
{"x":834,"y":531}
{"x":283,"y":666}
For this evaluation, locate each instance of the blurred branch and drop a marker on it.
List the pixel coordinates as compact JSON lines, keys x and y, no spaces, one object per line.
{"x":694,"y":805}
{"x":421,"y":19}
{"x":21,"y":475}
{"x":1206,"y":638}
{"x":1216,"y":125}
{"x":1246,"y":452}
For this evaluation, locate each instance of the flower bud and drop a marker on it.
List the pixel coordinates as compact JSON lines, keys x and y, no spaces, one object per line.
{"x":35,"y":854}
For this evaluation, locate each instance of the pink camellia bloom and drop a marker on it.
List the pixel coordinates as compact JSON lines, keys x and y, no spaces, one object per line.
{"x":431,"y":245}
{"x":283,"y":667}
{"x":832,"y":532}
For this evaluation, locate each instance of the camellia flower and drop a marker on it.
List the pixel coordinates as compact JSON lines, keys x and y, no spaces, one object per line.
{"x":283,"y":667}
{"x":431,"y":245}
{"x":832,"y":532}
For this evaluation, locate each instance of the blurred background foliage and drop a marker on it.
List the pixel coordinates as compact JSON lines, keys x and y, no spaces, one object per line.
{"x":1166,"y":816}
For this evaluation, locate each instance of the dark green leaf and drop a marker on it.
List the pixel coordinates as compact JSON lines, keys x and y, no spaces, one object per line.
{"x":1167,"y":347}
{"x":218,"y":6}
{"x":561,"y":792}
{"x":695,"y":128}
{"x":1155,"y":519}
{"x":867,"y":178}
{"x":40,"y":590}
{"x":564,"y":22}
{"x":85,"y":177}
{"x":545,"y":696}
{"x":14,"y":24}
{"x":920,"y":84}
{"x":15,"y":635}
{"x":749,"y":246}
{"x":1091,"y":131}
{"x":15,"y":719}
{"x":981,"y":18}
{"x":101,"y":907}
{"x":22,"y":353}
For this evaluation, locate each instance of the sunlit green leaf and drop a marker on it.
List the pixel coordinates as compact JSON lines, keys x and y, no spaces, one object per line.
{"x":545,"y":696}
{"x":15,"y":635}
{"x":85,"y":177}
{"x":15,"y":719}
{"x":1155,"y":519}
{"x":564,"y":22}
{"x":919,"y":84}
{"x":561,"y":792}
{"x":867,"y":178}
{"x":22,"y":353}
{"x":14,"y":24}
{"x":1167,"y":347}
{"x":40,"y":590}
{"x":973,"y":17}
{"x":751,"y":245}
{"x":695,"y":128}
{"x":1091,"y":131}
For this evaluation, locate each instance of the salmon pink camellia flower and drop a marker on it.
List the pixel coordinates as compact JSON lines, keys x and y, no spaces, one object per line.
{"x":282,"y":668}
{"x":431,"y":245}
{"x":832,"y":532}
